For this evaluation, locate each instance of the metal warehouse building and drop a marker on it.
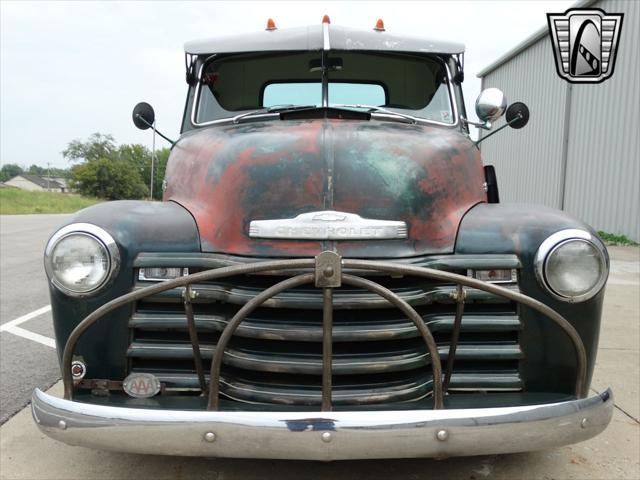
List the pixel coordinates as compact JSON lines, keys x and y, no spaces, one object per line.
{"x":580,"y":151}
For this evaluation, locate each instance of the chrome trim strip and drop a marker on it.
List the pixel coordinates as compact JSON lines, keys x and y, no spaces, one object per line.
{"x":196,"y":98}
{"x":452,"y":99}
{"x":554,"y":241}
{"x":95,"y":232}
{"x":328,"y":225}
{"x":338,"y":435}
{"x":440,"y":262}
{"x":326,"y":45}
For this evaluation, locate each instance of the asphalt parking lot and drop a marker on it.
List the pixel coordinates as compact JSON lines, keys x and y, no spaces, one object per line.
{"x":28,"y":360}
{"x":27,"y":356}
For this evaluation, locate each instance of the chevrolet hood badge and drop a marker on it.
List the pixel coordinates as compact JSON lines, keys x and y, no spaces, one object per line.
{"x":328,"y":225}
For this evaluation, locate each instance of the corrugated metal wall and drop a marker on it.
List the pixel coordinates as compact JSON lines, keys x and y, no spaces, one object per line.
{"x":602,"y":180}
{"x":528,"y":161}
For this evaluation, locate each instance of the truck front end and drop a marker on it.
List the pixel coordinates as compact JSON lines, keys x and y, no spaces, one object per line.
{"x":330,"y":275}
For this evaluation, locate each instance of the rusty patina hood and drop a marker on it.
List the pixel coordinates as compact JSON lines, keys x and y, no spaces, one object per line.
{"x":227,"y":176}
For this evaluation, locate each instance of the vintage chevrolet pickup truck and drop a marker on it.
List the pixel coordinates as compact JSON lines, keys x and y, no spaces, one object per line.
{"x":331,"y":274}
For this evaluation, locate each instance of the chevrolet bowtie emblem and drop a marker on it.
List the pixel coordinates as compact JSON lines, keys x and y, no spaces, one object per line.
{"x":328,"y":225}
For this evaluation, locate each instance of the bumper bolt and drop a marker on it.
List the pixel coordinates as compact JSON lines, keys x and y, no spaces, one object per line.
{"x":326,"y":437}
{"x":210,"y":437}
{"x":62,"y":425}
{"x":442,"y":435}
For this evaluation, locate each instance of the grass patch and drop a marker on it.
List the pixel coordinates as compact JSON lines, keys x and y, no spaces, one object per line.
{"x":14,"y":201}
{"x":613,"y":239}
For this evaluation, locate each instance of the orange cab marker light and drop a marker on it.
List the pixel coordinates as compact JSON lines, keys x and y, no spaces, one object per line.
{"x":326,"y":19}
{"x":379,"y":26}
{"x":271,"y":25}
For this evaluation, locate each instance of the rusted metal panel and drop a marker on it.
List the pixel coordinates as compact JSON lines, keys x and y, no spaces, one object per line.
{"x":227,"y":176}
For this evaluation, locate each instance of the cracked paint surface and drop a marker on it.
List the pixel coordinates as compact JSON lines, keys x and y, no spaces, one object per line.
{"x":228,"y":175}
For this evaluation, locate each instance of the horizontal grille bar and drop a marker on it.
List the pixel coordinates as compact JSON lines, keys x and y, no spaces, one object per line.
{"x":387,"y":390}
{"x":309,"y":298}
{"x":311,"y":363}
{"x":310,"y":330}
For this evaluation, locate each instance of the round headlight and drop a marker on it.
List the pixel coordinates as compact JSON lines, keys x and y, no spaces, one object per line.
{"x":572,"y":265}
{"x":80,"y":258}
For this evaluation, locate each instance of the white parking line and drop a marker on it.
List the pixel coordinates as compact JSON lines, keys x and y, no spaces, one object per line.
{"x":24,"y":318}
{"x":12,"y":327}
{"x":36,"y":337}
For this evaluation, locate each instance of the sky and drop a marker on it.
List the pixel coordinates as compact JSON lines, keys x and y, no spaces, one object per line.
{"x":69,"y":69}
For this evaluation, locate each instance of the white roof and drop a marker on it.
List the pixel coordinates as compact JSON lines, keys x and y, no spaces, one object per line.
{"x":311,"y":38}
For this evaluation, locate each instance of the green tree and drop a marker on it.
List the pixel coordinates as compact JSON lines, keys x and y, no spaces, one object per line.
{"x":162,"y":157}
{"x":140,"y":158}
{"x":9,"y":170}
{"x":136,"y":157}
{"x":59,"y":172}
{"x":36,"y":170}
{"x":96,"y":147}
{"x":106,"y":178}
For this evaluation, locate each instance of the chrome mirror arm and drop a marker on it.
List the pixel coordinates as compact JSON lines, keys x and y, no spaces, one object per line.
{"x":518,"y":116}
{"x":484,"y":126}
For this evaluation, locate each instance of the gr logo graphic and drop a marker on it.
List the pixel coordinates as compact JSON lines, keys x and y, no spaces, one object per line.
{"x":585,"y":43}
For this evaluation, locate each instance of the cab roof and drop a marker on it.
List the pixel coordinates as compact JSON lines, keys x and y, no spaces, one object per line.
{"x":313,"y":38}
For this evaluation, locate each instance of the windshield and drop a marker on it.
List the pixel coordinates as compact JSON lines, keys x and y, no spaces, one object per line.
{"x":409,"y":84}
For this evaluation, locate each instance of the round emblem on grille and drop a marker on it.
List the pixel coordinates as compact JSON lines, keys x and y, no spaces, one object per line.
{"x":141,"y":385}
{"x":78,"y":370}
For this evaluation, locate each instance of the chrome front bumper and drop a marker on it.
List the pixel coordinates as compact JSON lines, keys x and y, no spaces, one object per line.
{"x":323,"y":435}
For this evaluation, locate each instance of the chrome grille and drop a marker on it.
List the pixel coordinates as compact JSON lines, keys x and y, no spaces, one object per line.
{"x":275,"y":356}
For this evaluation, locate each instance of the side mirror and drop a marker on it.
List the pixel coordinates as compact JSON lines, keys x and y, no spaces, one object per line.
{"x":517,"y":115}
{"x":143,"y":116}
{"x":490,"y":104}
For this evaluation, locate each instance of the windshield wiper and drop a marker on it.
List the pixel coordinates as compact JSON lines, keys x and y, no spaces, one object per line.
{"x":374,"y":109}
{"x":272,"y":109}
{"x":292,"y":107}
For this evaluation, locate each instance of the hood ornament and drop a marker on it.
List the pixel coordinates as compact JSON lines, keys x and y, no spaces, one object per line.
{"x":328,"y":225}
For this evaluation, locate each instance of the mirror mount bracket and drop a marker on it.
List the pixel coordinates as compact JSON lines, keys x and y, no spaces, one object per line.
{"x":190,"y":67}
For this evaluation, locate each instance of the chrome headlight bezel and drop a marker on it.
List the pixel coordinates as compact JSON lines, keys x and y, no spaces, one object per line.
{"x":559,"y":239}
{"x":98,"y":234}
